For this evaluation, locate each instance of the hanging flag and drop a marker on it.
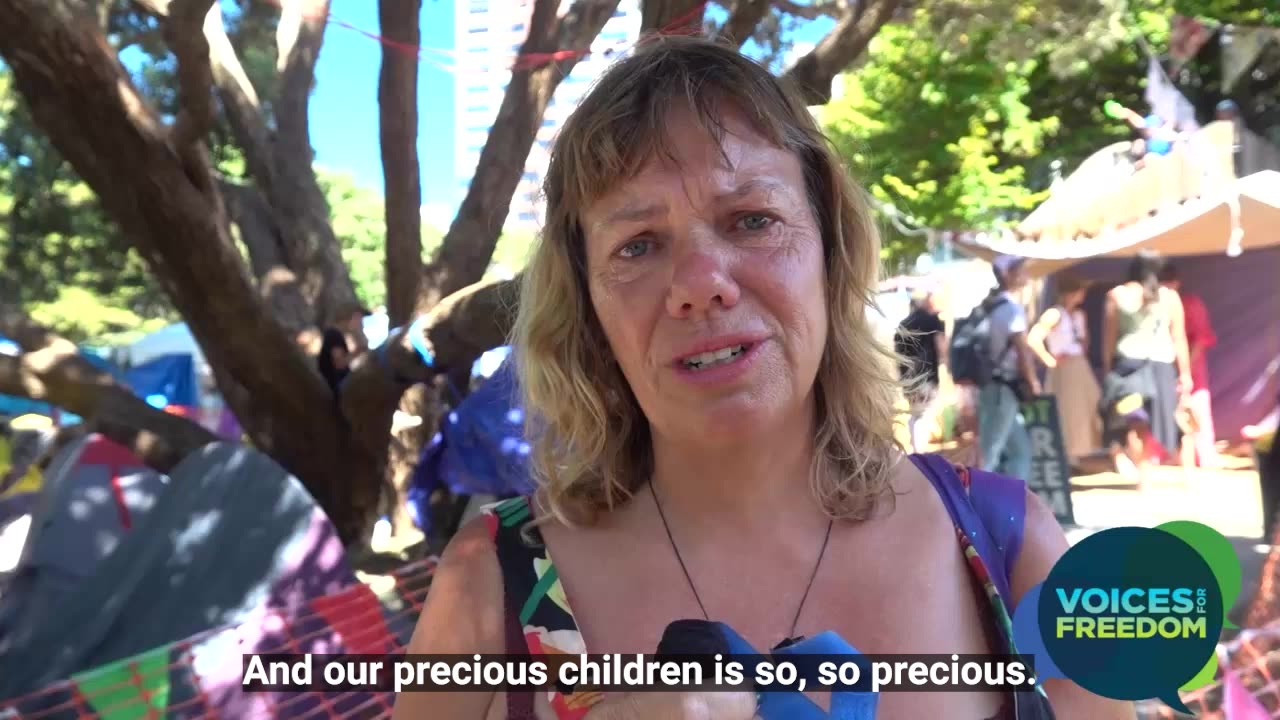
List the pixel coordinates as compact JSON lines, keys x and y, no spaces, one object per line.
{"x":131,"y":689}
{"x":1187,"y":35}
{"x":1166,"y":101}
{"x":1237,"y":703}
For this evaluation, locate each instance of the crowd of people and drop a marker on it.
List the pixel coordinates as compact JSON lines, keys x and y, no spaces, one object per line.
{"x":1146,"y":403}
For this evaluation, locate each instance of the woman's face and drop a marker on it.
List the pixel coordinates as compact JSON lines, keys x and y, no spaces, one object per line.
{"x":707,"y":276}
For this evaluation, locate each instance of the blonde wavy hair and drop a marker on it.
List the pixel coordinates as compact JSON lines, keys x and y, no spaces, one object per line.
{"x":591,"y":442}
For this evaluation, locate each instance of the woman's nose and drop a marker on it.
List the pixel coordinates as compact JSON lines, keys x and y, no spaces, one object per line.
{"x":701,"y":282}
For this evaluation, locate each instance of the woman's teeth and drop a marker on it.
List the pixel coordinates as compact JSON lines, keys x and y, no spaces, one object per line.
{"x":711,"y":359}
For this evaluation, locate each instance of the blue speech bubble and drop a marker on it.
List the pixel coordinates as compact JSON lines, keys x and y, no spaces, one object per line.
{"x":1131,"y":613}
{"x":1026,"y":635}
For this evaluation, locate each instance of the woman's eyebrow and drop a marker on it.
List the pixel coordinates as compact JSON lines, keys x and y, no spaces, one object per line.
{"x":631,"y":212}
{"x":766,"y":186}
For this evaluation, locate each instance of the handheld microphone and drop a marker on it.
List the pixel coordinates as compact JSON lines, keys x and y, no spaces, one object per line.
{"x":698,"y":638}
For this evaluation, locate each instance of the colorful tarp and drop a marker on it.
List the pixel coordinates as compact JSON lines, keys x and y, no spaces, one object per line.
{"x":199,"y":677}
{"x":231,"y":532}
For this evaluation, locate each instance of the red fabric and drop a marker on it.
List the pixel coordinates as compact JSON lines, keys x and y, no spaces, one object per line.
{"x":1199,"y":333}
{"x":101,"y":451}
{"x":357,"y":617}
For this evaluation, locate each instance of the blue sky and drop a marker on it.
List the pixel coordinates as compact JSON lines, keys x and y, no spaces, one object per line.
{"x":344,"y":108}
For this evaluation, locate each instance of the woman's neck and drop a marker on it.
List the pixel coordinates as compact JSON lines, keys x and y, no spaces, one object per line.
{"x":748,"y":486}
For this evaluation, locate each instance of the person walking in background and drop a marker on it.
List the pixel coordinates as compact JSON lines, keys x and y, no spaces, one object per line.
{"x":1200,"y":337}
{"x":921,"y":342}
{"x":1145,"y":366}
{"x":1002,"y":432}
{"x":1060,"y":338}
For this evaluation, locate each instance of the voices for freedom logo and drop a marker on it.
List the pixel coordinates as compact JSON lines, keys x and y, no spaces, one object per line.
{"x":1133,"y":613}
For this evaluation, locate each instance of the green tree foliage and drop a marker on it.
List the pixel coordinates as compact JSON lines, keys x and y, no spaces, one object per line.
{"x":965,"y":126}
{"x":940,"y":134}
{"x":53,"y":234}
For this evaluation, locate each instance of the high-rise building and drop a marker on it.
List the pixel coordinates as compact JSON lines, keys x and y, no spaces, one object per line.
{"x":489,"y":34}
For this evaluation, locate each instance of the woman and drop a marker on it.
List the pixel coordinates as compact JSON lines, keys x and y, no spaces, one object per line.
{"x":1060,"y":338}
{"x":714,"y":422}
{"x":1146,"y":367}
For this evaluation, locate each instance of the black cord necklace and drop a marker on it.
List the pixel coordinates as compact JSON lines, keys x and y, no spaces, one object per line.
{"x":791,"y":638}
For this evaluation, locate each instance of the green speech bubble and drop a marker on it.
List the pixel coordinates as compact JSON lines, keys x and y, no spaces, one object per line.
{"x":1217,"y":553}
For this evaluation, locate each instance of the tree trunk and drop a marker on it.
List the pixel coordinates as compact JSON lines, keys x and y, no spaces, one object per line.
{"x":398,"y":131}
{"x":301,"y":209}
{"x":84,"y":100}
{"x":672,"y":17}
{"x":254,"y":223}
{"x":467,"y":248}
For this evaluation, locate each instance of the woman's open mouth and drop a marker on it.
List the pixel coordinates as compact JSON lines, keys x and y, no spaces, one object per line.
{"x":714,"y":358}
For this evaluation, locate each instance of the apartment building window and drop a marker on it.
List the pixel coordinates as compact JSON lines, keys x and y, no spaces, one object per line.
{"x":528,"y":217}
{"x":518,"y":27}
{"x":479,"y":6}
{"x":619,"y":12}
{"x":531,"y":176}
{"x":548,"y":122}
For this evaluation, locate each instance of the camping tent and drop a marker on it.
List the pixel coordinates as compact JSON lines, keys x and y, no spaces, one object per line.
{"x":171,"y":377}
{"x":232,"y":531}
{"x":1224,"y":233}
{"x":92,"y":492}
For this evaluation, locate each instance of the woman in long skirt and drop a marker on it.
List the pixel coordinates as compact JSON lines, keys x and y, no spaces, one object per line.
{"x":1060,"y":338}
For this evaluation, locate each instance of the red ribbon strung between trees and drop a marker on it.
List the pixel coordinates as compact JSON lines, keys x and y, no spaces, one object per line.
{"x":522,"y":61}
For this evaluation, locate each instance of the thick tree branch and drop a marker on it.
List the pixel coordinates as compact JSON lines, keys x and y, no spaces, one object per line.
{"x":239,"y":101}
{"x":823,"y":8}
{"x":467,"y":248}
{"x":295,"y":194}
{"x":186,"y":38}
{"x":458,"y":330}
{"x":676,"y":17}
{"x":744,"y":16}
{"x":253,"y":222}
{"x":52,"y":370}
{"x":84,"y":100}
{"x":814,"y":72}
{"x":398,"y":133}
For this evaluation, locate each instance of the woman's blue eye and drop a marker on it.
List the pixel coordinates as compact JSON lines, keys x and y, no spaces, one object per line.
{"x":635,"y":248}
{"x":754,"y":222}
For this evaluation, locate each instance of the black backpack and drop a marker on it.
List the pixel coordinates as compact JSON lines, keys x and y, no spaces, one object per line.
{"x":970,"y":351}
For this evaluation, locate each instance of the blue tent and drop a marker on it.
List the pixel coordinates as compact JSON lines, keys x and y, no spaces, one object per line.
{"x":171,"y":377}
{"x":480,"y":449}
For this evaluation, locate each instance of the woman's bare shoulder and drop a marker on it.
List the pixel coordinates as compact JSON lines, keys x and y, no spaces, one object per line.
{"x":462,"y":615}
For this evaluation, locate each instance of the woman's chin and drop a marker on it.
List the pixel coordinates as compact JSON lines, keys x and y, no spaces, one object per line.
{"x":729,"y":423}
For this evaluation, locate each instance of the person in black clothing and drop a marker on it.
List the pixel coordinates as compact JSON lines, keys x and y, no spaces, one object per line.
{"x":334,"y":359}
{"x":921,"y":342}
{"x":1269,"y":480}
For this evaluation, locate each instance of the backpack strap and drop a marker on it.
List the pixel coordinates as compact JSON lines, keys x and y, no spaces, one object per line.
{"x":988,"y":508}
